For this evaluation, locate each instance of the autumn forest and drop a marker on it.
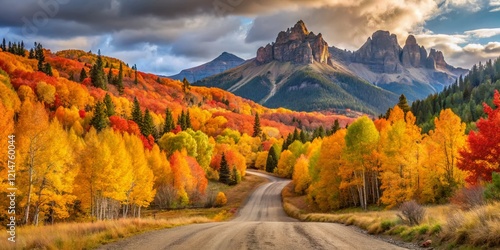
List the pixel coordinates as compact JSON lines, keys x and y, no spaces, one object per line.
{"x":98,"y":139}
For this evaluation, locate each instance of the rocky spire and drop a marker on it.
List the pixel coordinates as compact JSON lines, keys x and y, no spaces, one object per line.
{"x":381,"y":53}
{"x":296,"y":45}
{"x":413,"y":54}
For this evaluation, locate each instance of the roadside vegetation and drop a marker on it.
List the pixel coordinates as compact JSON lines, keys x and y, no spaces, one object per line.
{"x":89,"y":235}
{"x":459,"y":225}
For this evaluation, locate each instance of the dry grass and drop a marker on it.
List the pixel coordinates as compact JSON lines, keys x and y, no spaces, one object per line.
{"x":448,"y":226}
{"x":91,"y":235}
{"x":88,"y":235}
{"x":478,"y":227}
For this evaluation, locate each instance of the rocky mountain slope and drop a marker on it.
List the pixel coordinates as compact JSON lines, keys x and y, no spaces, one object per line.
{"x":409,"y":70}
{"x":296,"y":71}
{"x":220,"y":64}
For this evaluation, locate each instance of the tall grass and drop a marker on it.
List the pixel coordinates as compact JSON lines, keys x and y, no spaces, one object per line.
{"x":479,"y":226}
{"x":446,"y":225}
{"x":88,"y":235}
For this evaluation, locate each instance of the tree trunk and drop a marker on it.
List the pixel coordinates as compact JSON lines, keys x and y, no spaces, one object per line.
{"x":30,"y":188}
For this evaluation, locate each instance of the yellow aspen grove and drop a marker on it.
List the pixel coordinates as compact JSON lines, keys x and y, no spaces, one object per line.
{"x":141,"y":191}
{"x":361,"y":140}
{"x":31,"y":136}
{"x":54,"y":177}
{"x":444,"y":143}
{"x":301,"y":178}
{"x":400,"y":161}
{"x":7,"y":125}
{"x":326,"y":192}
{"x":120,"y":178}
{"x":285,"y":164}
{"x":105,"y":174}
{"x":260,"y":160}
{"x":160,"y":166}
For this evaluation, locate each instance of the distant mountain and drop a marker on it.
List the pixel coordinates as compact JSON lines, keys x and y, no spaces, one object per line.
{"x":297,"y":72}
{"x":220,"y":64}
{"x":408,"y":70}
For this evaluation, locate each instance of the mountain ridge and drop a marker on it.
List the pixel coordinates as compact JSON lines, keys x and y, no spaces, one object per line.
{"x":296,"y":71}
{"x":223,"y":62}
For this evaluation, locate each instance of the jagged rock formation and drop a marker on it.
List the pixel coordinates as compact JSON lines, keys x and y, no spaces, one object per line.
{"x":296,"y":45}
{"x":413,"y":55}
{"x":220,"y":64}
{"x":299,"y":71}
{"x":380,"y":53}
{"x":408,"y":70}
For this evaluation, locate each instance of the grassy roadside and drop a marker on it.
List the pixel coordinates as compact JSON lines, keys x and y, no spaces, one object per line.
{"x":445,"y":226}
{"x":90,"y":235}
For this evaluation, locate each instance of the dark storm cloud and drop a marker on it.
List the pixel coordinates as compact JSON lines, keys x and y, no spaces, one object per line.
{"x":188,"y":31}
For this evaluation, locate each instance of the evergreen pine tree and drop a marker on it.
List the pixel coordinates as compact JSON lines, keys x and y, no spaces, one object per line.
{"x":303,"y":136}
{"x":148,"y":127}
{"x":321,"y":132}
{"x":272,"y":160}
{"x":99,"y":120}
{"x":110,"y":74}
{"x":181,"y":121}
{"x":83,"y":75}
{"x":403,"y":103}
{"x":169,"y":122}
{"x":21,"y":49}
{"x":257,"y":130}
{"x":158,"y":80}
{"x":188,"y":120}
{"x":335,"y":127}
{"x":97,"y":73}
{"x":39,"y":56}
{"x":110,"y":106}
{"x":48,"y":69}
{"x":137,"y":113}
{"x":185,"y":85}
{"x":224,"y":172}
{"x":4,"y":46}
{"x":296,"y":135}
{"x":31,"y":55}
{"x":119,"y":81}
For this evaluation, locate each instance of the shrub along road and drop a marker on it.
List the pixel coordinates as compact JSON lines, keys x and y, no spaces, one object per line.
{"x":260,"y":224}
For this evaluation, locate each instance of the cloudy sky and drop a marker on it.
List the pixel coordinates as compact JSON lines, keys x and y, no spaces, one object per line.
{"x":165,"y":36}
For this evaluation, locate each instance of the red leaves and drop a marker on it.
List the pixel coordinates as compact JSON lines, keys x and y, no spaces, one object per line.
{"x":148,"y":142}
{"x":483,"y":154}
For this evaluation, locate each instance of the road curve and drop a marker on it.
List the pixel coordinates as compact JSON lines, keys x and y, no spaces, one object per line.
{"x":260,"y":224}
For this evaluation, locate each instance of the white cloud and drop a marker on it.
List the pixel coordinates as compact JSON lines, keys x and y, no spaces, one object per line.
{"x":469,"y":5}
{"x":483,"y":33}
{"x":495,"y":4}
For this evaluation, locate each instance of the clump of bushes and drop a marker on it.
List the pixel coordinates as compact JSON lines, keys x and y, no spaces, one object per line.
{"x":411,"y":213}
{"x":221,"y":200}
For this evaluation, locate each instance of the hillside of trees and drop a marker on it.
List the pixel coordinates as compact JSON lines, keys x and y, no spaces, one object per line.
{"x":465,"y":97}
{"x":96,"y":139}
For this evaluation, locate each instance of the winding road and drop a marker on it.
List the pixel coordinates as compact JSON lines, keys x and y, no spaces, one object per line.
{"x":260,"y":224}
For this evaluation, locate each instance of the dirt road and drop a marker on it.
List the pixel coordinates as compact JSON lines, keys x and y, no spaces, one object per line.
{"x":260,"y":224}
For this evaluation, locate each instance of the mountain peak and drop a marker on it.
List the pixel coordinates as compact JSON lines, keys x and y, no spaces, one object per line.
{"x":223,"y":62}
{"x":297,"y":45}
{"x":381,"y":52}
{"x":300,"y":27}
{"x":411,"y":40}
{"x":226,"y":56}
